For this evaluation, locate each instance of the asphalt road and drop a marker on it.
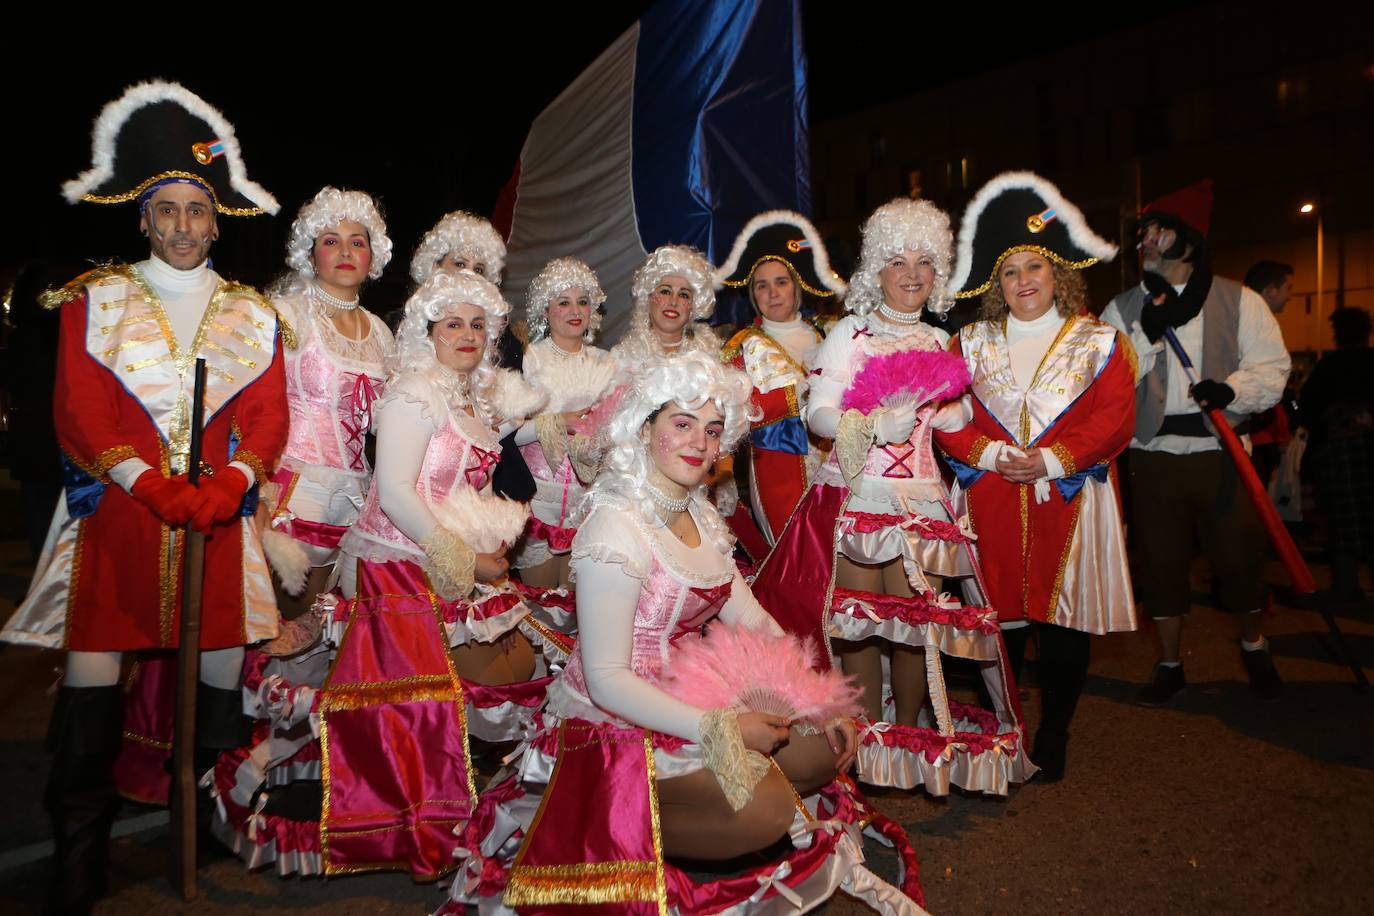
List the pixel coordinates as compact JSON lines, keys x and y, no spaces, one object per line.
{"x":1221,"y":803}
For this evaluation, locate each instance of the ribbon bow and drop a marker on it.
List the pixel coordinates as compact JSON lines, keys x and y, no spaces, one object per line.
{"x":360,"y":401}
{"x":875,"y":729}
{"x":774,"y":880}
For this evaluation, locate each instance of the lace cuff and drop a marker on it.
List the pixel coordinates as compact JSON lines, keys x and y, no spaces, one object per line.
{"x":736,"y":768}
{"x":852,"y":441}
{"x":553,"y":438}
{"x":450,"y":564}
{"x":586,"y":455}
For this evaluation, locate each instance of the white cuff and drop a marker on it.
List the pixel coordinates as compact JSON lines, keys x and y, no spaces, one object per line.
{"x":1054,"y":469}
{"x":248,"y":474}
{"x":130,"y":469}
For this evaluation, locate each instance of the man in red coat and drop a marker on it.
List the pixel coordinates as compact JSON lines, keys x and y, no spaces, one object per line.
{"x":109,"y":580}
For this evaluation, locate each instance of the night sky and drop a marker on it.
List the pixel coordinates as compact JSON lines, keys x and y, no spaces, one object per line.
{"x":426,"y":113}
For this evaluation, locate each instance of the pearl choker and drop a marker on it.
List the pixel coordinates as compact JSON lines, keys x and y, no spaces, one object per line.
{"x":892,"y":314}
{"x":665,"y":502}
{"x":324,"y":298}
{"x":567,"y":354}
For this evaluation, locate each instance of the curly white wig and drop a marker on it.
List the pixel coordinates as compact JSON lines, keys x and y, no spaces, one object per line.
{"x":689,"y":380}
{"x":465,"y":233}
{"x":329,"y":208}
{"x":436,"y":299}
{"x":896,"y":226}
{"x":668,"y":261}
{"x":558,"y":276}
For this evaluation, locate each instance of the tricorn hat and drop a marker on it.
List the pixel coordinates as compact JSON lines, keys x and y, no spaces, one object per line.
{"x":159,"y":131}
{"x":1020,"y":211}
{"x":781,"y":235}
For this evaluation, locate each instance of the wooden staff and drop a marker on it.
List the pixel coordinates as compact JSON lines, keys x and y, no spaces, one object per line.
{"x":1298,"y":572}
{"x":183,"y":822}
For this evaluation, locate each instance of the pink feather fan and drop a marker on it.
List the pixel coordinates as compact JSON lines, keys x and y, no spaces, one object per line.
{"x":906,"y":378}
{"x":595,"y":419}
{"x":757,"y":671}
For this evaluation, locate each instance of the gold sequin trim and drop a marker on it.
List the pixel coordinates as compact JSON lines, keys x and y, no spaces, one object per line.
{"x":76,"y":288}
{"x":148,"y":742}
{"x":224,"y":329}
{"x":1061,"y":452}
{"x":1038,"y":249}
{"x":148,"y":363}
{"x":792,"y":270}
{"x":123,"y":322}
{"x":975,"y":453}
{"x":248,"y":457}
{"x":169,"y":574}
{"x":586,"y":883}
{"x":132,"y":342}
{"x":1128,"y":353}
{"x":147,"y":183}
{"x":1053,"y":607}
{"x":109,"y":458}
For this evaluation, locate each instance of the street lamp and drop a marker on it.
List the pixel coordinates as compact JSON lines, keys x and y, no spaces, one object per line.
{"x":1307,"y":209}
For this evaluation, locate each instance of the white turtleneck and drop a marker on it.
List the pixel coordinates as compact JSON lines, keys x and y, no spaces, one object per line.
{"x":1027,"y":344}
{"x":796,"y":338}
{"x":184,"y":294}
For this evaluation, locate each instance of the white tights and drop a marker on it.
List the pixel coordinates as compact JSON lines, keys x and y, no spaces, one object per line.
{"x":219,"y":668}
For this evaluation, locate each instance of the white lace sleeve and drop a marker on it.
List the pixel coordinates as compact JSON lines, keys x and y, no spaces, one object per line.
{"x":744,"y":610}
{"x":386,"y":341}
{"x":403,"y":434}
{"x":610,"y":535}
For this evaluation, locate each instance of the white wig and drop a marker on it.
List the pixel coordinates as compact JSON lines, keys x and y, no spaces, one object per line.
{"x":897,"y":226}
{"x":437,"y":299}
{"x":668,"y":261}
{"x":466,"y":234}
{"x":558,"y":276}
{"x":689,"y":380}
{"x":329,"y":208}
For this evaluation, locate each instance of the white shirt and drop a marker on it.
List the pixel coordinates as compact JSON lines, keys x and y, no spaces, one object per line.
{"x":1258,"y":382}
{"x":796,"y":337}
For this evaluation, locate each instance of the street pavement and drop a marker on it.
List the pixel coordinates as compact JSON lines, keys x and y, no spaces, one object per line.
{"x":1220,"y":803}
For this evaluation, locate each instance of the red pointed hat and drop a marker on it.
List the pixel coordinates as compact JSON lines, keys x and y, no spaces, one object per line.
{"x":1191,"y":206}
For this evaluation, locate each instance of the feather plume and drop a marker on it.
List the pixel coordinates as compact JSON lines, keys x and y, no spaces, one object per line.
{"x":484,"y":521}
{"x":906,"y":377}
{"x":513,"y":398}
{"x":758,"y":671}
{"x":287,"y":559}
{"x":575,"y":386}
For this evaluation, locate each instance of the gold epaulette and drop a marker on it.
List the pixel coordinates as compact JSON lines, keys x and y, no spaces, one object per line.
{"x":1128,"y":351}
{"x":244,"y":291}
{"x":735,"y":345}
{"x":74,"y":289}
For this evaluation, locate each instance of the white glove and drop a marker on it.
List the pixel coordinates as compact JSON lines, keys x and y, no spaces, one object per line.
{"x":952,"y":417}
{"x":893,"y":425}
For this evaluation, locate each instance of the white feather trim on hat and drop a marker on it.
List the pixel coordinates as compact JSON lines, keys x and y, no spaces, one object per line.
{"x":775,"y":217}
{"x":483,"y":520}
{"x":113,"y":116}
{"x":1069,"y":215}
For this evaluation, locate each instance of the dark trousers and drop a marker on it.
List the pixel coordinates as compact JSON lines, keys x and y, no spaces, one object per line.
{"x":1063,"y":670}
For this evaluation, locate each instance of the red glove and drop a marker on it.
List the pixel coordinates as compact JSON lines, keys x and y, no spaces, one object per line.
{"x":220,"y":497}
{"x":171,"y":499}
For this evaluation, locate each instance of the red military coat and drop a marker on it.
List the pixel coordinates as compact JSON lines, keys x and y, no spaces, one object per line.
{"x":110,"y":578}
{"x":1062,"y":560}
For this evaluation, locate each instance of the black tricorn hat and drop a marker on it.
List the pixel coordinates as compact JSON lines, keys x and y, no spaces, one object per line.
{"x":781,"y":235}
{"x":1020,"y":211}
{"x":158,"y":131}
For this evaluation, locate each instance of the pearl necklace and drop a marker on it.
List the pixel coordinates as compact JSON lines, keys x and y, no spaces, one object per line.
{"x":665,"y":502}
{"x":566,"y":354}
{"x":892,"y":314}
{"x":324,"y":298}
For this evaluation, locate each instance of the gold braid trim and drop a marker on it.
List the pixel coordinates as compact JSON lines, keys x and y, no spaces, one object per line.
{"x":74,"y":289}
{"x":451,"y":564}
{"x":248,"y":457}
{"x":975,"y":454}
{"x":111,"y":457}
{"x":1065,"y":458}
{"x":626,"y":881}
{"x":553,"y":438}
{"x":364,"y":696}
{"x":853,"y":439}
{"x":737,"y":769}
{"x":1129,"y":354}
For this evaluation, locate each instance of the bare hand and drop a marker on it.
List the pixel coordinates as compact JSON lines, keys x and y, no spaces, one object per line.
{"x":844,"y":742}
{"x":491,"y":567}
{"x":1022,"y":470}
{"x":763,"y":732}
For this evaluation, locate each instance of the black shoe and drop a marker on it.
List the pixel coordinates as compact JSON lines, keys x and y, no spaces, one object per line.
{"x":1166,"y":684}
{"x":1049,"y":755}
{"x":1264,"y":680}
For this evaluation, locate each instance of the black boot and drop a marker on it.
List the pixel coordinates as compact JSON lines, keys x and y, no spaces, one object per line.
{"x":220,"y":726}
{"x":1064,"y":656}
{"x":80,"y":797}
